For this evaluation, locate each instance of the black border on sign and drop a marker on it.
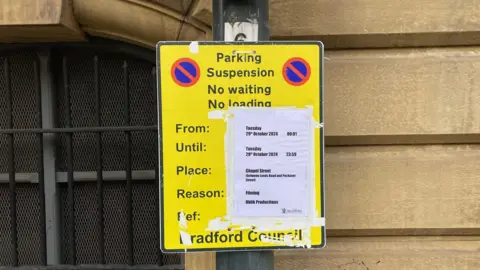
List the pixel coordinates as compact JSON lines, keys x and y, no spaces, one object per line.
{"x":160,"y":143}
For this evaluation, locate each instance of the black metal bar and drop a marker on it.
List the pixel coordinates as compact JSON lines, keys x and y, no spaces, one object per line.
{"x":157,"y":219}
{"x":128,"y":169}
{"x":233,"y":11}
{"x":157,"y":183}
{"x":97,"y":44}
{"x":101,"y":240}
{"x":71,"y":198}
{"x":11,"y":167}
{"x":52,"y":202}
{"x":40,"y":168}
{"x":78,"y":129}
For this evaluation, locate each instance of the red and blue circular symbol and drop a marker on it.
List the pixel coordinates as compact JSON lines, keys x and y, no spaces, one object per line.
{"x":185,"y":72}
{"x":296,"y":71}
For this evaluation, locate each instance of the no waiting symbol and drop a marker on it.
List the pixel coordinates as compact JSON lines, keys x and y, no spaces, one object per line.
{"x":296,"y":71}
{"x":185,"y":72}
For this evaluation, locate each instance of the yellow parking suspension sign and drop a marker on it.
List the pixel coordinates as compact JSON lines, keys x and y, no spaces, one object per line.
{"x":241,"y":145}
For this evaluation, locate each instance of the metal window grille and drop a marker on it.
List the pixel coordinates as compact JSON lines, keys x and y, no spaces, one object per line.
{"x":79,"y":163}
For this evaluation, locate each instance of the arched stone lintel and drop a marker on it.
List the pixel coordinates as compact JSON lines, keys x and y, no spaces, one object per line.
{"x":141,"y":22}
{"x":24,"y":21}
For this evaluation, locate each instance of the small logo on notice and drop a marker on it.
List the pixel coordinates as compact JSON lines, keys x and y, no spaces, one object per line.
{"x":291,"y":211}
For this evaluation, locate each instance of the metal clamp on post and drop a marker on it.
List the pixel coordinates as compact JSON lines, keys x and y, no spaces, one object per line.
{"x":240,"y":20}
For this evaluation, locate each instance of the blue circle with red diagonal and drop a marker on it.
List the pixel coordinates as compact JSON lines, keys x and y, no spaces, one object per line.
{"x":296,"y":71}
{"x":185,"y":72}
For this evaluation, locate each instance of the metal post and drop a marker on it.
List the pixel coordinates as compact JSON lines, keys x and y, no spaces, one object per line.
{"x":242,"y":20}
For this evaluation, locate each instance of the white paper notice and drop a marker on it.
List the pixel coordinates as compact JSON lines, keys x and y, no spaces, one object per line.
{"x":271,"y":162}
